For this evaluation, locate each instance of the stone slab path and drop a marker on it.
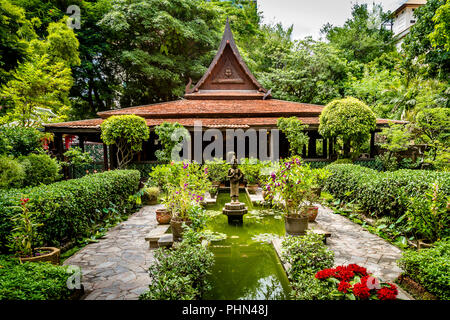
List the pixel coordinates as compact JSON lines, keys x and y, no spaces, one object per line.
{"x":351,"y":243}
{"x":115,"y":268}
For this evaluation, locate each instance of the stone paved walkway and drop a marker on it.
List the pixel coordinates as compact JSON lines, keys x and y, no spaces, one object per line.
{"x":351,"y":243}
{"x":115,"y":268}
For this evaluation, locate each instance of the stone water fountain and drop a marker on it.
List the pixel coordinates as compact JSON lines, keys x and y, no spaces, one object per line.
{"x":235,"y":209}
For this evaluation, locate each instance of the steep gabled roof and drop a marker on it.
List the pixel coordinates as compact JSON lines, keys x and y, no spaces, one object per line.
{"x":228,"y":77}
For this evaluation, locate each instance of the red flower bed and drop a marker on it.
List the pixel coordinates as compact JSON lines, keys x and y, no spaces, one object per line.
{"x":354,"y":282}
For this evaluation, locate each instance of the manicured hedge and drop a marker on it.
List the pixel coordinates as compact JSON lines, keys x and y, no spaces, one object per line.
{"x":32,"y":280}
{"x":430,"y":268}
{"x":68,"y":208}
{"x":381,"y":193}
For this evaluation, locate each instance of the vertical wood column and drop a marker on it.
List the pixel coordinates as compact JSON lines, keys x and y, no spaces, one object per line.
{"x":372,"y":144}
{"x":324,"y":148}
{"x":330,"y":148}
{"x":312,"y":153}
{"x":59,"y":146}
{"x":105,"y":157}
{"x":81,"y":142}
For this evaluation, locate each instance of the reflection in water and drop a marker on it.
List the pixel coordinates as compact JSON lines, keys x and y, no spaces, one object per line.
{"x":246,"y":267}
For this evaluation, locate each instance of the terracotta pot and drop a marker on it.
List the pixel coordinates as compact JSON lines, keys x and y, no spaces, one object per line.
{"x":163,"y":216}
{"x":296,"y":225}
{"x":252,"y":188}
{"x":177,"y":228}
{"x":311,"y":212}
{"x":52,"y":256}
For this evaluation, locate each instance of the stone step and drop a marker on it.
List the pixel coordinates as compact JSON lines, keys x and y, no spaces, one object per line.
{"x":155,"y":234}
{"x":165,"y":241}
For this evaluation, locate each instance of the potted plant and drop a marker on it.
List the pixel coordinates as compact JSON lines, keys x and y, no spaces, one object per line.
{"x":319,"y":176}
{"x":24,"y":236}
{"x":163,"y":216}
{"x":217,"y":170}
{"x":151,"y":195}
{"x":290,"y":183}
{"x":180,"y":198}
{"x":251,"y":170}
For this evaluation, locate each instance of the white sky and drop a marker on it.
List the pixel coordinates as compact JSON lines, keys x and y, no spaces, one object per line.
{"x":308,"y":16}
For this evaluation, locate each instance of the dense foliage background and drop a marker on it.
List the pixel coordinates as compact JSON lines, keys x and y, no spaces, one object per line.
{"x":136,"y":52}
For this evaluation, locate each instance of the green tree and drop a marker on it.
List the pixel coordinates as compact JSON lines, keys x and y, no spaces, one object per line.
{"x":349,"y":119}
{"x":127,"y":133}
{"x":15,"y":33}
{"x":158,"y":45}
{"x":396,"y":138}
{"x":294,"y":129}
{"x":312,"y":72}
{"x":170,"y":136}
{"x":440,"y":37}
{"x":417,"y":43}
{"x":363,"y":37}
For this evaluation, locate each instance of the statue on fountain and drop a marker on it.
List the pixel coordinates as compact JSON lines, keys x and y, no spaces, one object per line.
{"x":234,"y":210}
{"x":235,"y":175}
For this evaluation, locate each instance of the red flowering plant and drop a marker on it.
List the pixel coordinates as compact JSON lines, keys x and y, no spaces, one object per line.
{"x":24,"y":234}
{"x":353,"y":282}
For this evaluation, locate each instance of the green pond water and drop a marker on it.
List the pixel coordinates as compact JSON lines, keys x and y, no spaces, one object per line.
{"x":245,"y":266}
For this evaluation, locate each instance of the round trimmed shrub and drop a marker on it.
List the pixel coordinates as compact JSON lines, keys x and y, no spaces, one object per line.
{"x":40,"y":169}
{"x":350,"y":119}
{"x":12,"y":173}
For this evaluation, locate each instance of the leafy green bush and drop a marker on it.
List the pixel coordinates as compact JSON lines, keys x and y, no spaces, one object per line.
{"x":294,"y":130}
{"x":127,"y":133}
{"x":180,"y":273}
{"x":307,"y":253}
{"x":430,"y":268}
{"x":67,"y":209}
{"x":40,"y":169}
{"x":428,"y":214}
{"x":350,"y":119}
{"x":19,"y":141}
{"x":217,"y":169}
{"x":251,"y":168}
{"x":382,"y":194}
{"x":12,"y":173}
{"x":32,"y":280}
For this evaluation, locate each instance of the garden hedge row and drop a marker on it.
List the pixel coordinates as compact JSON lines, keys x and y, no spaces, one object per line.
{"x":430,"y":268}
{"x":69,"y":208}
{"x":32,"y":280}
{"x":381,"y":193}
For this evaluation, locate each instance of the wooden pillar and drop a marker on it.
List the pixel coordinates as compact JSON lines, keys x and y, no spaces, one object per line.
{"x":59,"y":146}
{"x":312,"y":145}
{"x":112,"y":157}
{"x":372,"y":144}
{"x":105,"y":157}
{"x":81,"y":142}
{"x":330,"y":148}
{"x":324,"y":148}
{"x":346,"y":149}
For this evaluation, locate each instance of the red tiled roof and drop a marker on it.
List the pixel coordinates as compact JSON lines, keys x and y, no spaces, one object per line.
{"x":220,"y":109}
{"x":205,"y":122}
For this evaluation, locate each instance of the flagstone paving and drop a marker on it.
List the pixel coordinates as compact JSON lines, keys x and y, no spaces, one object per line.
{"x":115,"y":268}
{"x":351,"y":243}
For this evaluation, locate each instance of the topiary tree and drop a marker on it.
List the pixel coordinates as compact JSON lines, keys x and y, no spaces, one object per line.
{"x":127,"y":132}
{"x":350,"y":119}
{"x":294,"y":129}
